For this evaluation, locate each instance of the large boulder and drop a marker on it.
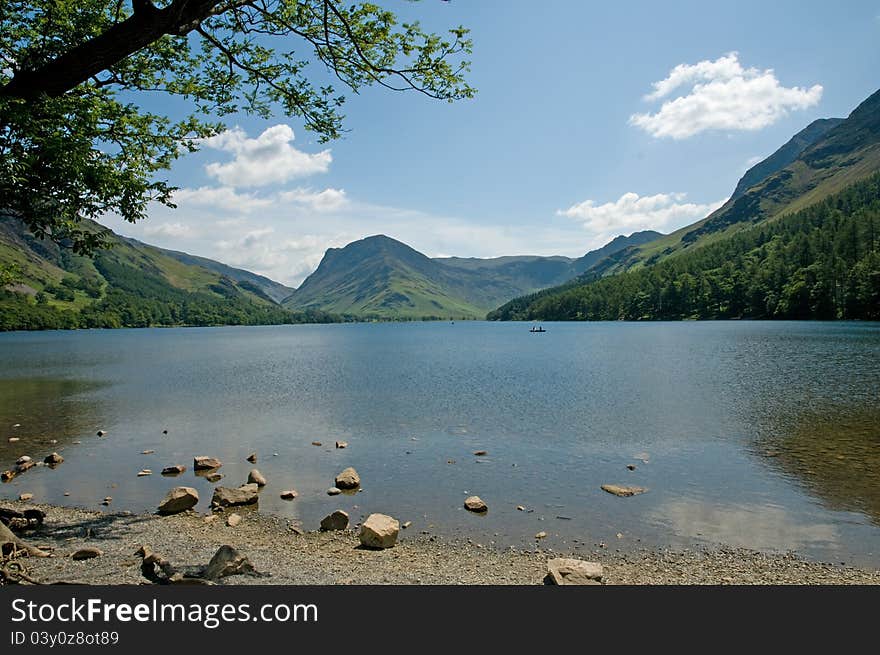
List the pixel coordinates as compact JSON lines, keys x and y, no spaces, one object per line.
{"x":348,"y":479}
{"x":379,"y":531}
{"x":475,"y":504}
{"x":204,"y":463}
{"x":179,"y":500}
{"x":257,"y":478}
{"x":246,"y":494}
{"x":566,"y":571}
{"x":338,"y":520}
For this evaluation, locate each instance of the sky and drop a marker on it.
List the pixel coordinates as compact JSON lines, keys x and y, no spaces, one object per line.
{"x":591,"y":120}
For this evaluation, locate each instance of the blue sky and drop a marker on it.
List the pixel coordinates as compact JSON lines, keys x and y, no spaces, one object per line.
{"x":591,"y":120}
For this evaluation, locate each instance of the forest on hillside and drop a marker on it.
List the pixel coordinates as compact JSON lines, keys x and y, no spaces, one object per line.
{"x":819,"y":263}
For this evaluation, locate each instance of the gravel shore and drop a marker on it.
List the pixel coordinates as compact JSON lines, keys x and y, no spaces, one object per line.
{"x":278,"y":549}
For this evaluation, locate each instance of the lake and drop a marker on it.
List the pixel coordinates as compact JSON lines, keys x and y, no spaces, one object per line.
{"x":759,"y":434}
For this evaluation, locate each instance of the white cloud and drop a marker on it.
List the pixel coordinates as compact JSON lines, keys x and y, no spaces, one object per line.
{"x":320,"y":201}
{"x":174,"y":230}
{"x":631,"y":213}
{"x":225,"y":198}
{"x":268,"y":159}
{"x":722,"y":95}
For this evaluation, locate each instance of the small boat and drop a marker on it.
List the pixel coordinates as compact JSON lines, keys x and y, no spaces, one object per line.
{"x":537,"y":329}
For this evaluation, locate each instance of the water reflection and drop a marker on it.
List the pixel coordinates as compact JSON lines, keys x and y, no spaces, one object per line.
{"x":762,"y":527}
{"x":834,"y":452}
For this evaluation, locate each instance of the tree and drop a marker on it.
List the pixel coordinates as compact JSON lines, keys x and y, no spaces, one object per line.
{"x":75,"y":144}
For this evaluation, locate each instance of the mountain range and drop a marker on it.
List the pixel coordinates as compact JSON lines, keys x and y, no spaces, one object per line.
{"x":813,"y":193}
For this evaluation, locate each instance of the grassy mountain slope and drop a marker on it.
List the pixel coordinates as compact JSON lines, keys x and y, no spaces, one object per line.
{"x":845,"y":154}
{"x":379,"y":277}
{"x":131,"y":285}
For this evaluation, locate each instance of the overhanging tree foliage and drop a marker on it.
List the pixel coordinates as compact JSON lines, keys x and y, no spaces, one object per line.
{"x":74,"y":142}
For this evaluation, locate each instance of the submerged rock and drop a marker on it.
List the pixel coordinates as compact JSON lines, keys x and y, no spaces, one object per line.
{"x":622,"y":491}
{"x":567,"y":571}
{"x":338,"y":520}
{"x":204,"y":463}
{"x":179,"y":500}
{"x":379,"y":531}
{"x":334,"y":491}
{"x":480,"y":453}
{"x":214,"y":477}
{"x":475,"y":504}
{"x":289,"y":494}
{"x":348,"y":479}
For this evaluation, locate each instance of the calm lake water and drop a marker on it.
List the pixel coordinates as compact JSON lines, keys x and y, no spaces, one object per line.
{"x":757,"y":434}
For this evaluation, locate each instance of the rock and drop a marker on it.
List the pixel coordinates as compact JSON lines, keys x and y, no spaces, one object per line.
{"x":76,"y":443}
{"x":227,"y":561}
{"x":164,"y":431}
{"x":406,"y":525}
{"x":252,"y":458}
{"x":14,"y":439}
{"x":179,"y":500}
{"x":25,"y":496}
{"x":232,"y":520}
{"x":338,"y":520}
{"x":214,"y":477}
{"x":210,"y":518}
{"x":107,"y":500}
{"x":623,"y":492}
{"x":521,"y":508}
{"x":24,"y":459}
{"x":144,"y":472}
{"x":54,"y":458}
{"x":480,"y":453}
{"x":631,"y":467}
{"x":204,"y":463}
{"x":379,"y":531}
{"x":89,"y":552}
{"x":566,"y":571}
{"x":147,"y":452}
{"x":334,"y":491}
{"x":6,"y":476}
{"x":53,"y":441}
{"x":342,"y":444}
{"x":475,"y":504}
{"x":289,"y":494}
{"x":243,"y":495}
{"x":348,"y":479}
{"x":541,"y":535}
{"x":177,"y":469}
{"x":101,"y":433}
{"x":317,"y":443}
{"x":257,"y":478}
{"x":24,"y":466}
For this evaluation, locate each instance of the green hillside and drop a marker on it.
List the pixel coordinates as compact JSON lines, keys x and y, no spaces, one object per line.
{"x":822,"y":262}
{"x":129,"y":285}
{"x":381,"y":278}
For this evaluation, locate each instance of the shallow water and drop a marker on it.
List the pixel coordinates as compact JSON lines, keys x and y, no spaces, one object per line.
{"x":757,"y":434}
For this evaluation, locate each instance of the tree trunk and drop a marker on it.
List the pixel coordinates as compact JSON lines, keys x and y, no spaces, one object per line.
{"x":7,"y":538}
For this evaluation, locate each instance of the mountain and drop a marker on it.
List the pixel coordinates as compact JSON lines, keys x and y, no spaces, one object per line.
{"x":258,"y":284}
{"x":791,"y":209}
{"x":785,"y":155}
{"x":131,"y":284}
{"x":846,"y":153}
{"x":379,"y":277}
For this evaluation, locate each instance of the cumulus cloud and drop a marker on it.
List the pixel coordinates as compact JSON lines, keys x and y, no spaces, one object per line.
{"x":175,"y":230}
{"x":721,"y":95}
{"x":225,"y":198}
{"x":320,"y":201}
{"x":267,"y":159}
{"x":631,"y":213}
